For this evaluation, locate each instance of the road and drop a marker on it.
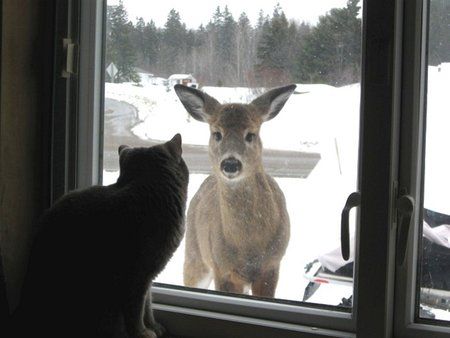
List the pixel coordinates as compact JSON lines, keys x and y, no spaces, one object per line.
{"x":120,"y":117}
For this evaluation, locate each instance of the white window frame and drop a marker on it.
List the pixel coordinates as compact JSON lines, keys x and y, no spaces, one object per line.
{"x":91,"y":79}
{"x":390,"y":30}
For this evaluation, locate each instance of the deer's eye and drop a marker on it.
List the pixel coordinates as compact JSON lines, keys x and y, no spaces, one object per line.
{"x":217,"y":136}
{"x":250,"y":137}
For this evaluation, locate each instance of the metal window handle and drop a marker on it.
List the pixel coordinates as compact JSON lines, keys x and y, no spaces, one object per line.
{"x":405,"y":208}
{"x":70,"y":53}
{"x":354,"y":200}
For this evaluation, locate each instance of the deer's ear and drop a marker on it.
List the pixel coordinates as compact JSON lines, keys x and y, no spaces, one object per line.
{"x":199,"y":104}
{"x":271,"y":102}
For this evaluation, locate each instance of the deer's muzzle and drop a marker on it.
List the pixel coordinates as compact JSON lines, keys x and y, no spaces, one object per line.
{"x":231,"y":167}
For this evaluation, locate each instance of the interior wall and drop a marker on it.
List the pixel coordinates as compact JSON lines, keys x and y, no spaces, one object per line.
{"x":26,"y":68}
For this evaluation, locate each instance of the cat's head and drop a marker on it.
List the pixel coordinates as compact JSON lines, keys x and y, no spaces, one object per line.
{"x":151,"y":164}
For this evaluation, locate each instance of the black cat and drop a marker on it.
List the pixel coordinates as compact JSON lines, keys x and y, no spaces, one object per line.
{"x":98,"y":250}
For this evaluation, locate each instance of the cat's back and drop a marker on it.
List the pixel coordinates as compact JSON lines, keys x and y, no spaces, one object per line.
{"x":82,"y":204}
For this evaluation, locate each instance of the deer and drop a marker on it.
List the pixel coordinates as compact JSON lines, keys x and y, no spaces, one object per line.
{"x":237,"y":224}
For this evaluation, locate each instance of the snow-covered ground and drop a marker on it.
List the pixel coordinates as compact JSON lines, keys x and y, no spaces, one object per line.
{"x":437,"y":164}
{"x":321,"y":119}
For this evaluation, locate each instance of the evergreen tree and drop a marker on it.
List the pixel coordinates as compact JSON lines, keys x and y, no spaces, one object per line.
{"x":273,"y":50}
{"x":219,"y":55}
{"x":331,"y":53}
{"x":226,"y":47}
{"x":295,"y":40}
{"x":229,"y":52}
{"x":244,"y":52}
{"x":217,"y":19}
{"x":200,"y":54}
{"x":138,"y":40}
{"x":191,"y":46}
{"x":215,"y":41}
{"x":152,"y":43}
{"x":119,"y":47}
{"x":209,"y":55}
{"x":173,"y":47}
{"x":263,"y":20}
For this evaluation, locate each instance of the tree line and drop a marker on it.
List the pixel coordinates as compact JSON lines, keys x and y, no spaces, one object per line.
{"x":233,"y":52}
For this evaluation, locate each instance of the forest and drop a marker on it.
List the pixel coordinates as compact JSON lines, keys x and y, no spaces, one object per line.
{"x":232,"y":52}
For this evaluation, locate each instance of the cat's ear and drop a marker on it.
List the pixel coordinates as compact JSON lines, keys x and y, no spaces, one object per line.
{"x":174,"y":146}
{"x":122,"y":148}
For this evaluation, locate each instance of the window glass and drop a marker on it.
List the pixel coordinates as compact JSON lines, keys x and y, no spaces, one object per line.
{"x":236,"y":51}
{"x":434,"y":276}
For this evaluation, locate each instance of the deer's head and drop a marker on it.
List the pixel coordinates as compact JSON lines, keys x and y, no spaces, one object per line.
{"x":235,"y":145}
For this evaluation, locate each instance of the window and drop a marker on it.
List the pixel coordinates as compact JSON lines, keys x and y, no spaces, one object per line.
{"x":434,"y":276}
{"x":423,"y":307}
{"x":379,"y":155}
{"x":235,"y":54}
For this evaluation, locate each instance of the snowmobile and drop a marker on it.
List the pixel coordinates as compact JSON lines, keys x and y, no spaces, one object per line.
{"x":331,"y":268}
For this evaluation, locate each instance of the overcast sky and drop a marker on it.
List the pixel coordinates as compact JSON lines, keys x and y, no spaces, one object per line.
{"x":196,"y":12}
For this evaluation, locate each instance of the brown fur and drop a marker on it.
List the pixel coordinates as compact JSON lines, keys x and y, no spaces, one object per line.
{"x":238,"y":226}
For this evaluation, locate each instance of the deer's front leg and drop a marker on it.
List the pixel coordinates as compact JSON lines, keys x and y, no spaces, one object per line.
{"x":266,"y":283}
{"x":229,"y":282}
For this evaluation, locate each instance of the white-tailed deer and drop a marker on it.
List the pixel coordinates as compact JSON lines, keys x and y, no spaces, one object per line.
{"x":237,"y":227}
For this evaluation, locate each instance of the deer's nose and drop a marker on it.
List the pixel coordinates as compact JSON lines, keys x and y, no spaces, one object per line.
{"x":231,"y":165}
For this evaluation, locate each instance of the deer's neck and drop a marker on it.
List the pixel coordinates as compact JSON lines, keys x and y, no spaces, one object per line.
{"x":247,"y":205}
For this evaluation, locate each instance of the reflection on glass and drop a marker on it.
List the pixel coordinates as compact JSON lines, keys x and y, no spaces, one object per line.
{"x":434,"y":278}
{"x":235,"y":53}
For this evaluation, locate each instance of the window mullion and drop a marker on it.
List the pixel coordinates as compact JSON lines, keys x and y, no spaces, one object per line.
{"x":411,"y":143}
{"x":64,"y":118}
{"x":380,"y":107}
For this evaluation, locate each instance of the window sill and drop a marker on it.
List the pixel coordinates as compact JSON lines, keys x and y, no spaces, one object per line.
{"x":187,"y":322}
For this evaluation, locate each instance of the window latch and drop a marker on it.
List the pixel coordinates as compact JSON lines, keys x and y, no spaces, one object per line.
{"x":69,"y":49}
{"x":354,"y":200}
{"x":405,"y":208}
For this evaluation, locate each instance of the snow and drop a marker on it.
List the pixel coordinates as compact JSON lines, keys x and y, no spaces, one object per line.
{"x":148,"y":79}
{"x":180,"y":77}
{"x":320,"y":118}
{"x":437,"y":163}
{"x":231,"y":95}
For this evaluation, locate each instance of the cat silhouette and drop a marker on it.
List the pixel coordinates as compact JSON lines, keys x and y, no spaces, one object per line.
{"x":97,"y":251}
